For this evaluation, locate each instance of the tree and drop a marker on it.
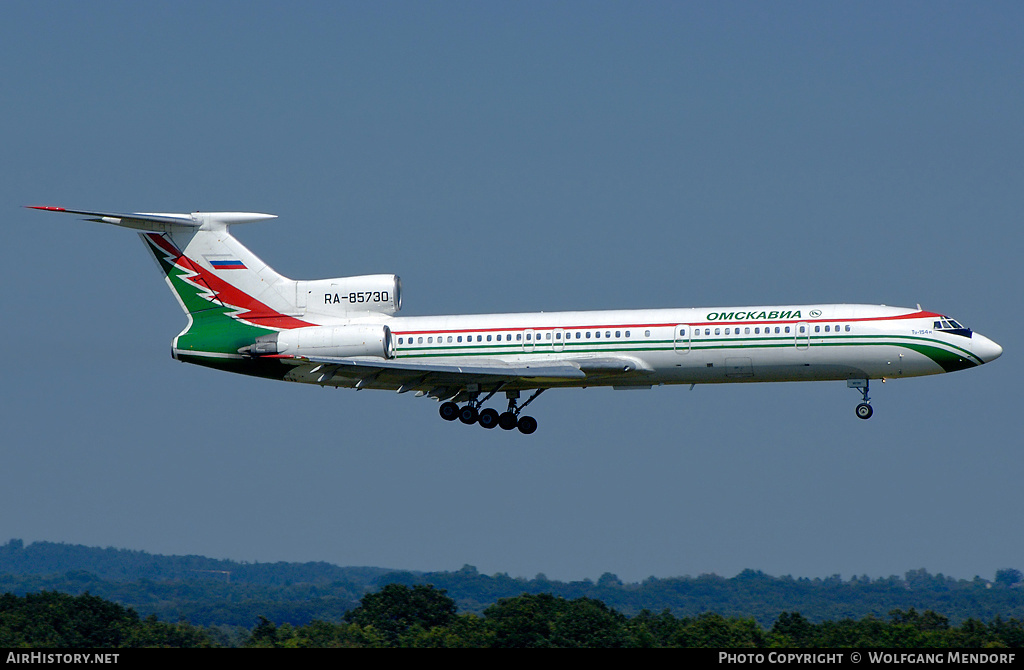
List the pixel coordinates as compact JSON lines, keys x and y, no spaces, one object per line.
{"x":1008,"y":577}
{"x":542,"y":620}
{"x":798,"y":631}
{"x":396,"y":608}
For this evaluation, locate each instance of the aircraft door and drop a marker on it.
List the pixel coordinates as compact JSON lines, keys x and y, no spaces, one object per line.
{"x":681,"y":338}
{"x":558,"y":343}
{"x":803,"y":335}
{"x":529,"y":340}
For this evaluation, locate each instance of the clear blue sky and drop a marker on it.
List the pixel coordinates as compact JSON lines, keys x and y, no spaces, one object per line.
{"x":518,"y":157}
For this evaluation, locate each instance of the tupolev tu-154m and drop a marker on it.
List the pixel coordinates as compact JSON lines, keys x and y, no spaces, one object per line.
{"x":243,"y":317}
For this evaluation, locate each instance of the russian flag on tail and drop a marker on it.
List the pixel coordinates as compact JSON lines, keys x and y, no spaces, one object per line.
{"x":222,"y":264}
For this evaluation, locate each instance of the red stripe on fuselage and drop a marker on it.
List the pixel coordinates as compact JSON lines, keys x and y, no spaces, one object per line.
{"x":912,"y":315}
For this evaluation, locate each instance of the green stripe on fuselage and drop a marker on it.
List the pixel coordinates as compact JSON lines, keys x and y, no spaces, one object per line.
{"x":949,"y":361}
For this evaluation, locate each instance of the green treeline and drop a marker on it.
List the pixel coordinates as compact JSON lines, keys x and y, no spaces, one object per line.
{"x":752,"y":594}
{"x":60,"y":621}
{"x":220,"y":593}
{"x":424,"y":616}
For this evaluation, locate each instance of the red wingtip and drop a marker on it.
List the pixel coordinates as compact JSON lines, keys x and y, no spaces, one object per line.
{"x":44,"y":207}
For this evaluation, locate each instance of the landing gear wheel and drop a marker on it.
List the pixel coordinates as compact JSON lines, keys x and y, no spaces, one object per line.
{"x":488,"y":418}
{"x":507,"y":420}
{"x":864,"y":411}
{"x":468,"y":415}
{"x":449,"y":411}
{"x":527,"y":424}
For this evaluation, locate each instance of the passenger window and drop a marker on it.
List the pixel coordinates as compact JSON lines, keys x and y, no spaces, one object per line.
{"x":488,"y":338}
{"x":430,"y":340}
{"x":519,"y":337}
{"x":619,"y":333}
{"x":847,"y":329}
{"x":726,"y":331}
{"x":647,"y":333}
{"x":479,"y":338}
{"x":588,"y":334}
{"x":547,"y":335}
{"x":757,"y":331}
{"x":718,"y":331}
{"x":607,"y":333}
{"x":776,"y":329}
{"x":627,"y":333}
{"x":787,"y":329}
{"x":419,"y":340}
{"x":817,"y":329}
{"x":597,"y":334}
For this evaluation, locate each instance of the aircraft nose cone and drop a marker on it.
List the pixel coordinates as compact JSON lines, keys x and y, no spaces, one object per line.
{"x":986,"y":349}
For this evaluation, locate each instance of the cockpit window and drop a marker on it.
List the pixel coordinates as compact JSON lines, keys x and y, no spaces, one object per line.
{"x":948,"y":325}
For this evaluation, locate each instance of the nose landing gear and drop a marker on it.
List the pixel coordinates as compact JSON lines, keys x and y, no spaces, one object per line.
{"x":864,"y":410}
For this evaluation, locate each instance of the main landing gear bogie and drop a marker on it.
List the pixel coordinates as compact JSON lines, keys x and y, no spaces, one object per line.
{"x":510,"y":419}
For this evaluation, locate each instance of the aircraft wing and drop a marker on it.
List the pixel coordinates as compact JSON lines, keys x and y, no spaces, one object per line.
{"x":449,"y":377}
{"x":451,"y":366}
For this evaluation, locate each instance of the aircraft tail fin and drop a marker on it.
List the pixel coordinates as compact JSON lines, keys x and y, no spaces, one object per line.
{"x":229,"y":294}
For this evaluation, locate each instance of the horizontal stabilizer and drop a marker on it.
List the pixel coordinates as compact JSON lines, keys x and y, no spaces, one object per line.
{"x":164,"y":223}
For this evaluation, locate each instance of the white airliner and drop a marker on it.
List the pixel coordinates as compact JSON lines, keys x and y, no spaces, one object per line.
{"x":244,"y":317}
